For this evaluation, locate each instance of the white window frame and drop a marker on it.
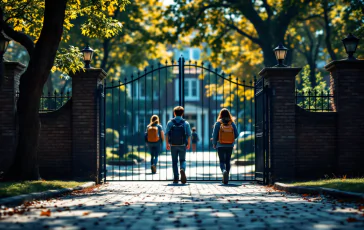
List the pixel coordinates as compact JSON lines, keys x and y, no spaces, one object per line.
{"x":188,"y":96}
{"x":138,"y":89}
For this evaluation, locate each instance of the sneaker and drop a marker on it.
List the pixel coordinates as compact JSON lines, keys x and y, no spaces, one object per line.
{"x":225,"y":178}
{"x":154,"y":169}
{"x":175,"y":181}
{"x":183,"y":176}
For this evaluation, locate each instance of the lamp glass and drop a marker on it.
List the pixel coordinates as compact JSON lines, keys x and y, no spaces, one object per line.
{"x":87,"y":55}
{"x":350,"y":46}
{"x":280,"y":54}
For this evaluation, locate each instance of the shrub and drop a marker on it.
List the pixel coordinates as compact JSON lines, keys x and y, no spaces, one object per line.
{"x":112,"y":137}
{"x":246,"y":145}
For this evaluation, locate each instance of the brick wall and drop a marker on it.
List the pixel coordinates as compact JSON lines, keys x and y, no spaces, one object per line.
{"x":8,"y":91}
{"x":85,"y":123}
{"x":315,"y":144}
{"x":348,"y":84}
{"x":283,"y":135}
{"x":55,"y":145}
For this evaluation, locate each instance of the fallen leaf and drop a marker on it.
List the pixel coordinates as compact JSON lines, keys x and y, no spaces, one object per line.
{"x":45,"y":213}
{"x":351,"y":219}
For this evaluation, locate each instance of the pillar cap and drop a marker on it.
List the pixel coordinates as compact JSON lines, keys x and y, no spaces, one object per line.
{"x":345,"y":64}
{"x":100,"y":73}
{"x":279,"y":71}
{"x":14,"y":65}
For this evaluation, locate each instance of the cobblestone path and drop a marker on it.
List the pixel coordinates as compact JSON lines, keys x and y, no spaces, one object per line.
{"x":160,"y":205}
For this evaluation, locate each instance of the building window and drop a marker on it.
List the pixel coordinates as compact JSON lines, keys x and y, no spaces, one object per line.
{"x":139,"y":87}
{"x":191,"y":89}
{"x":196,"y":54}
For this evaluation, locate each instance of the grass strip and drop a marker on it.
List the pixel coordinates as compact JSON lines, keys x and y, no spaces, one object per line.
{"x":349,"y":185}
{"x":8,"y":189}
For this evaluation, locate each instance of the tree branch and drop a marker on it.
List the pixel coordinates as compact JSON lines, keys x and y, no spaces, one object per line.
{"x":216,"y":5}
{"x":268,"y":9}
{"x":309,"y":17}
{"x":234,"y":27}
{"x":328,"y":31}
{"x":17,"y":36}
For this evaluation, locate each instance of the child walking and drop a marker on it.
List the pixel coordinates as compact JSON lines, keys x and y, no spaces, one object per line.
{"x":195,"y":139}
{"x":178,"y":138}
{"x":155,"y":138}
{"x":223,"y":138}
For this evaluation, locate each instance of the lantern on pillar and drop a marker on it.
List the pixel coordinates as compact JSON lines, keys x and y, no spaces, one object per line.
{"x":87,"y":56}
{"x":281,"y":52}
{"x":350,"y":44}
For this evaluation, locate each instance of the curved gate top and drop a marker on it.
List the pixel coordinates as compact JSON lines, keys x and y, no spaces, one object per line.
{"x":203,"y":91}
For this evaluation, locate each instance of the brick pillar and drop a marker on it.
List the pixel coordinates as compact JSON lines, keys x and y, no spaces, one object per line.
{"x":347,"y":85}
{"x":281,"y":82}
{"x":85,"y":124}
{"x":12,"y":72}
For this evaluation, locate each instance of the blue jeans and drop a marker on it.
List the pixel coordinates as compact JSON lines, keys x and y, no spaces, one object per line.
{"x":178,"y":151}
{"x":225,"y":158}
{"x":154,"y":149}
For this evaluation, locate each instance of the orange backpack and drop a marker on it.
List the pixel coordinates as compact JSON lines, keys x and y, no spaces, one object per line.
{"x":153,"y":134}
{"x":226,"y":133}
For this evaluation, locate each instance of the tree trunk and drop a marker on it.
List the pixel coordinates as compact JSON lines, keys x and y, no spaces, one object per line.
{"x":50,"y":86}
{"x":328,"y":31}
{"x":105,"y":45}
{"x":312,"y":65}
{"x":268,"y":55}
{"x":25,"y":166}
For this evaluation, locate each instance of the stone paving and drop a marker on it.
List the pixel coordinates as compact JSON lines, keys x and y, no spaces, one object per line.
{"x":200,"y":166}
{"x":196,"y":205}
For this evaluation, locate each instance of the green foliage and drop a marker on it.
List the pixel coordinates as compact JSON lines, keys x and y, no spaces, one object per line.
{"x":246,"y":146}
{"x":27,"y":16}
{"x":68,"y":61}
{"x":314,"y":97}
{"x":112,"y":155}
{"x":112,"y":137}
{"x":92,"y":30}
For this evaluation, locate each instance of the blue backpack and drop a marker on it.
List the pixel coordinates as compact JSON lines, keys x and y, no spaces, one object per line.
{"x":177,"y":134}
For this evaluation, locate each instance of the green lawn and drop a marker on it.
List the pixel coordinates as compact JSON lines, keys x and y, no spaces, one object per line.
{"x":17,"y":188}
{"x":112,"y":156}
{"x":247,"y":157}
{"x":351,"y":185}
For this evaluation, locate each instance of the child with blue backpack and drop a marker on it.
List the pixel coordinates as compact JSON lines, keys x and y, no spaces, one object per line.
{"x":178,"y":140}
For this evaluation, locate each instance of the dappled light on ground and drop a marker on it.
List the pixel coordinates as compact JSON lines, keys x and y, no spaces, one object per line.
{"x":196,"y":205}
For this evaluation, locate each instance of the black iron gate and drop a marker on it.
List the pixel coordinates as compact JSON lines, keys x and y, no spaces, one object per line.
{"x":203,"y":91}
{"x":262,"y":134}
